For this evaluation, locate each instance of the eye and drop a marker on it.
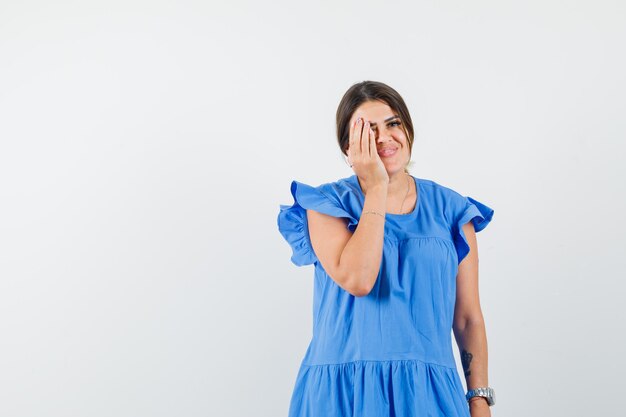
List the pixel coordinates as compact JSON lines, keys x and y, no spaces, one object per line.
{"x":391,"y":124}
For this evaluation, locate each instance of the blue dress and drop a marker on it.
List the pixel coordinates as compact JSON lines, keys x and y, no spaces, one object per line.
{"x":388,"y":353}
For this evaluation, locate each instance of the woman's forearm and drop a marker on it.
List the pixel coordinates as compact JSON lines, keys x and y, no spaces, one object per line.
{"x":363,"y":253}
{"x":472,"y":343}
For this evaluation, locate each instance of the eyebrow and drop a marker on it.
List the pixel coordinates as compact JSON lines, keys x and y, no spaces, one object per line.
{"x":387,"y":119}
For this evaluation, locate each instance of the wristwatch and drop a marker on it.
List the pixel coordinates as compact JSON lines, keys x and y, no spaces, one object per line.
{"x":488,"y":393}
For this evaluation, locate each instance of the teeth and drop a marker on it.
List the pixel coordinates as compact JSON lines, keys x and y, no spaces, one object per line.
{"x":387,"y":152}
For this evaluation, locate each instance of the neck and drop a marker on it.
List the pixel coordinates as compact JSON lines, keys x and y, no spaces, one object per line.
{"x":398,"y":183}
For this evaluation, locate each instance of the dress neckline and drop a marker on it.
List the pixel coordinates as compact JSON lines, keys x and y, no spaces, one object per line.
{"x":355,"y":180}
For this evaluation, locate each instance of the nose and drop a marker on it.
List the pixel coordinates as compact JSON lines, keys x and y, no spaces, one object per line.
{"x":382,"y":136}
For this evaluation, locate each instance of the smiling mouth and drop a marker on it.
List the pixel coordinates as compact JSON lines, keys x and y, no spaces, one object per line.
{"x":387,"y":152}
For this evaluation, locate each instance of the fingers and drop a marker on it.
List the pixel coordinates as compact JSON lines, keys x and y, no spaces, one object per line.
{"x":362,"y":142}
{"x":365,"y":137}
{"x":358,"y":130}
{"x":355,"y":143}
{"x":351,"y":145}
{"x":372,"y":142}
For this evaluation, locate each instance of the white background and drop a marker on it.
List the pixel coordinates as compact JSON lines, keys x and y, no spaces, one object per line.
{"x":146,"y":147}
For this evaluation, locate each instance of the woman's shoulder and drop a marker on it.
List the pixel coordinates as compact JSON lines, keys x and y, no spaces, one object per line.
{"x":456,"y":205}
{"x":340,"y":188}
{"x":342,"y":192}
{"x":439,"y":188}
{"x":441,"y":199}
{"x":292,"y":219}
{"x":438,"y":191}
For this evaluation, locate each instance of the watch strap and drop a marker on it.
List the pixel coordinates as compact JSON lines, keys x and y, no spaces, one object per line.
{"x":486,"y":392}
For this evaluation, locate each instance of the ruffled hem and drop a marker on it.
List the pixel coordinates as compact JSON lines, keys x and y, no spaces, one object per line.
{"x":293,"y":225}
{"x":408,"y":388}
{"x":480,"y":215}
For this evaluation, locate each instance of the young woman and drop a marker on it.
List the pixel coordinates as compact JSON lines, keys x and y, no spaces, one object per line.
{"x":396,"y":272}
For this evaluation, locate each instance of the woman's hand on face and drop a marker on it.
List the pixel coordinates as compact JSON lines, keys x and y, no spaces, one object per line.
{"x":363,"y":155}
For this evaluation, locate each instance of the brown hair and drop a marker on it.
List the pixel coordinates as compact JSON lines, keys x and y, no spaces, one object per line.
{"x":364,"y":91}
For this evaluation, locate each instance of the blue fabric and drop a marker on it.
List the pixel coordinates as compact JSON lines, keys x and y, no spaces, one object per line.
{"x":388,"y":353}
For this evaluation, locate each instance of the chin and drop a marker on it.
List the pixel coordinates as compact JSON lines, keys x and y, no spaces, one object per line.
{"x":393,"y":169}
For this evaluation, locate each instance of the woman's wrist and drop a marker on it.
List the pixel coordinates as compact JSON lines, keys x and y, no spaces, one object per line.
{"x":478,"y":399}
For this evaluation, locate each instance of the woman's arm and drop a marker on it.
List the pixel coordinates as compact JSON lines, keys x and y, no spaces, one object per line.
{"x":352,"y":260}
{"x":469,"y":326}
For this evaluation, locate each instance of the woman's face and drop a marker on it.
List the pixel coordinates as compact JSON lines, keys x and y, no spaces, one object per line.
{"x":389,"y":134}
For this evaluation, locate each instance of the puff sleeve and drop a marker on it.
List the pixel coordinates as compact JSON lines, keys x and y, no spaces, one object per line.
{"x":479,"y":214}
{"x":292,"y":220}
